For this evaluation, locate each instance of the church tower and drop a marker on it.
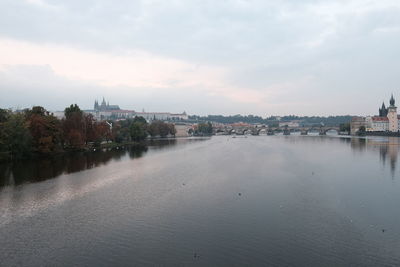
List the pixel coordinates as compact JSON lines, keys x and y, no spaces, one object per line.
{"x":103,"y":105}
{"x":392,"y":116}
{"x":383,"y":110}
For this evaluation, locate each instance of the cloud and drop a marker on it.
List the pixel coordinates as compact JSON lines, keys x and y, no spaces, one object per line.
{"x":136,"y":68}
{"x":53,"y":65}
{"x":30,"y":85}
{"x":265,"y":57}
{"x":221,"y":32}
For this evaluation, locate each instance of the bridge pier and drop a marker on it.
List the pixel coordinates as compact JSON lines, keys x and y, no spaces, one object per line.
{"x":304,"y":132}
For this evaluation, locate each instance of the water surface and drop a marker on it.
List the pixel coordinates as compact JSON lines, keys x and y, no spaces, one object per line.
{"x":263,"y":200}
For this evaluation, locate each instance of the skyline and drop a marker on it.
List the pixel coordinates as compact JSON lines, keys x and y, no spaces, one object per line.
{"x":232,"y":57}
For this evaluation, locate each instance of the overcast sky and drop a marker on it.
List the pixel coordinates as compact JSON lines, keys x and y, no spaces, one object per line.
{"x":264,"y":57}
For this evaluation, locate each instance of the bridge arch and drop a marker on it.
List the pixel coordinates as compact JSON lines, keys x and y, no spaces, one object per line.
{"x":330,"y":129}
{"x":263,"y":131}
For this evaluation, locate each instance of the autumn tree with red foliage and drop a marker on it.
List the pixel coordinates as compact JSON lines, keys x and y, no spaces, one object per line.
{"x":39,"y":131}
{"x":74,"y":128}
{"x":103,"y":131}
{"x":45,"y":129}
{"x":92,"y":134}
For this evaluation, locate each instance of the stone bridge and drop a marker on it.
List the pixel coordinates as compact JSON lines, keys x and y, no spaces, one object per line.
{"x":321,"y":130}
{"x":257,"y":130}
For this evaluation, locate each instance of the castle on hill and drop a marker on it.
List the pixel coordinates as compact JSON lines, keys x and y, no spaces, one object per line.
{"x":104,"y":106}
{"x":105,"y":111}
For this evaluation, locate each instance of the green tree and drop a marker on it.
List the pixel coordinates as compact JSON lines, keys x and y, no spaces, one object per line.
{"x":154,"y":128}
{"x":72,"y":109}
{"x":160,"y":128}
{"x":4,"y":115}
{"x":163,"y":128}
{"x":204,"y":128}
{"x":140,"y":119}
{"x":121,"y":130}
{"x":17,"y":136}
{"x":138,"y":131}
{"x":36,"y":110}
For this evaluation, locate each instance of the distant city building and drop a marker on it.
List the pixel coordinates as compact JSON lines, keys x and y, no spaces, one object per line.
{"x":386,"y":121}
{"x":356,"y":123}
{"x":105,"y":111}
{"x":377,"y":124}
{"x":164,"y":116}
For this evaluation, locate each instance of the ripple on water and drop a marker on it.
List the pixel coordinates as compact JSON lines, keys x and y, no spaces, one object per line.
{"x":299,"y":204}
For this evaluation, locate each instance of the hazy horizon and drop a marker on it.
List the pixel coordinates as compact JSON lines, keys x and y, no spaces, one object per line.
{"x":190,"y":114}
{"x":306,"y":58}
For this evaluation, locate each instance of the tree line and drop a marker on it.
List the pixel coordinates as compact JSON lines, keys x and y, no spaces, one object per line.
{"x":37,"y":131}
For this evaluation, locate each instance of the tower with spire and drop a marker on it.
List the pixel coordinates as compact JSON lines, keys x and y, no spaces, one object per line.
{"x":392,"y":116}
{"x":391,"y":102}
{"x":383,"y":110}
{"x":103,"y":104}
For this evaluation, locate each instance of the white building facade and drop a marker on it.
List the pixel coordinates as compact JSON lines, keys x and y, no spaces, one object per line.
{"x":387,"y":121}
{"x":163,"y":116}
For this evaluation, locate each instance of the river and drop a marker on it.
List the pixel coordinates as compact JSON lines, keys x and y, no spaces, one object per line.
{"x":220,"y":201}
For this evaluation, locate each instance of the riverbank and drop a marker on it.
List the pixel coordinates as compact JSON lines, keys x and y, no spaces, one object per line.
{"x":391,"y":134}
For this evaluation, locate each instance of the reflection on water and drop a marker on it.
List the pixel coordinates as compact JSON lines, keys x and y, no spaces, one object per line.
{"x":387,"y":148}
{"x":41,"y":169}
{"x":254,"y":201}
{"x":37,"y":170}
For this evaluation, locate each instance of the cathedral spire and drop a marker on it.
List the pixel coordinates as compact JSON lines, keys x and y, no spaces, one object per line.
{"x":383,"y":111}
{"x":392,"y":100}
